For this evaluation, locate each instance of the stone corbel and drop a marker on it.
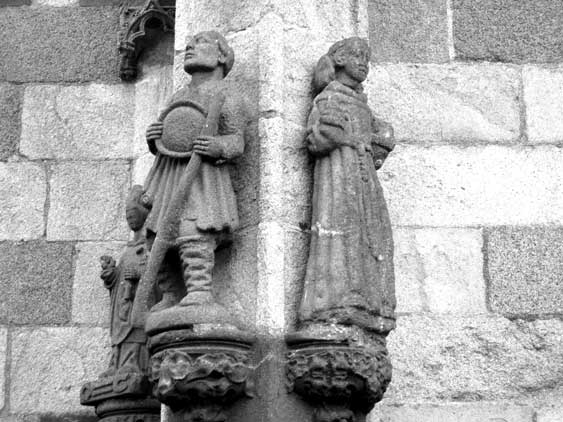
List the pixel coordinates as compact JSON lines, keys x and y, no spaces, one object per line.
{"x":342,"y":380}
{"x":199,"y":375}
{"x":138,"y":24}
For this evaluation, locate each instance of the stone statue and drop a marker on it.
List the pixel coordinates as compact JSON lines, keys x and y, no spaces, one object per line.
{"x":349,"y":278}
{"x":122,"y":392}
{"x":194,"y":205}
{"x":129,"y":352}
{"x":338,"y":359}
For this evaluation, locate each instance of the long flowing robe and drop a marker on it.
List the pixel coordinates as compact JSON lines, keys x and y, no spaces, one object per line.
{"x":350,"y":277}
{"x":211,"y":204}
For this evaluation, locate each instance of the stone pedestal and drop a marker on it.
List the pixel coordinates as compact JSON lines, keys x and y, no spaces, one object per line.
{"x":341,"y":371}
{"x":200,"y":371}
{"x":122,"y":398}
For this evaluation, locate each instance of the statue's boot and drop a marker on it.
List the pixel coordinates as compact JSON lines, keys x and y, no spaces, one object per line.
{"x":198,"y":259}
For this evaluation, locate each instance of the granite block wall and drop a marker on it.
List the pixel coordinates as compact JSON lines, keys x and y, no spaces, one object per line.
{"x":474,"y":187}
{"x":474,"y":90}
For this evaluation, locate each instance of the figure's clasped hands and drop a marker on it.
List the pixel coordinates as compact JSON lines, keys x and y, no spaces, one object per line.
{"x":208,"y":146}
{"x":154,"y":132}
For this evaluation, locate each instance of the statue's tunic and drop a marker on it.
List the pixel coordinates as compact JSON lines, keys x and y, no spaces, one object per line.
{"x":349,"y":275}
{"x":211,"y":204}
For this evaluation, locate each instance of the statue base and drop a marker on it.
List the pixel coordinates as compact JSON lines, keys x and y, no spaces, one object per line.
{"x":199,"y":371}
{"x":340,"y":370}
{"x":121,"y":398}
{"x":191,"y":317}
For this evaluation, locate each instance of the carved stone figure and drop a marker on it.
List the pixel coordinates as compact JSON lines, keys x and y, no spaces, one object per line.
{"x":199,"y":356}
{"x":338,"y":359}
{"x":122,"y":393}
{"x":129,"y":353}
{"x":349,"y":276}
{"x":194,"y":205}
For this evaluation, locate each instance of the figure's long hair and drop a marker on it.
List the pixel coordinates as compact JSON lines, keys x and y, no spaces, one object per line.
{"x":325,"y":71}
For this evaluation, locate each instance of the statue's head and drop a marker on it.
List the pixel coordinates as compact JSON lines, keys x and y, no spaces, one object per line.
{"x":137,"y":208}
{"x":207,"y":51}
{"x":350,"y":55}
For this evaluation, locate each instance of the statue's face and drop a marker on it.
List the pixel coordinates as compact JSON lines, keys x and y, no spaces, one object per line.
{"x":202,"y":53}
{"x":356,"y":61}
{"x":135,"y":217}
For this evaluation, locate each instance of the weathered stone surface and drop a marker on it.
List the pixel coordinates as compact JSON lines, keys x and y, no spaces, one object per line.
{"x":483,"y":358}
{"x":36,"y":282}
{"x":152,"y":92}
{"x":296,"y":255}
{"x":55,"y":3}
{"x":550,"y":414}
{"x":9,"y":3}
{"x":456,"y":187}
{"x":90,"y":299}
{"x":234,"y":277}
{"x":87,"y":201}
{"x":525,"y":270}
{"x":141,"y":167}
{"x":543,"y":95}
{"x":456,"y":412}
{"x":23,"y":189}
{"x":408,"y":31}
{"x":3,"y":361}
{"x":78,"y":122}
{"x":47,"y":44}
{"x":10,"y":114}
{"x":456,"y":103}
{"x":49,"y":366}
{"x":508,"y":30}
{"x":439,"y":271}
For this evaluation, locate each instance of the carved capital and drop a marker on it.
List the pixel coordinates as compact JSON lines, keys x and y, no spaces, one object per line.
{"x":340,"y":381}
{"x":137,"y":24}
{"x":202,"y":377}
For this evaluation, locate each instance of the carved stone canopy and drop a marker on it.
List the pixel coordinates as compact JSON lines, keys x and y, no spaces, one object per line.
{"x":138,"y":25}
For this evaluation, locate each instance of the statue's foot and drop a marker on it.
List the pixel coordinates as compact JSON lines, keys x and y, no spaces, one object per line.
{"x":197,"y":298}
{"x":107,"y":373}
{"x":167,"y":301}
{"x":129,"y":369}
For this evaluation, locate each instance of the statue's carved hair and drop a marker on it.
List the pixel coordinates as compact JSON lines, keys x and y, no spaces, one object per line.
{"x":224,"y":48}
{"x":325,"y":71}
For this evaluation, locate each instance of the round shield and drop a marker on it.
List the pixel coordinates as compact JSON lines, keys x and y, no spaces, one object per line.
{"x":182,"y":124}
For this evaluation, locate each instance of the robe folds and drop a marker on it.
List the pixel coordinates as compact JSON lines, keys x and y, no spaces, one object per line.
{"x":349,"y":277}
{"x":211,"y":204}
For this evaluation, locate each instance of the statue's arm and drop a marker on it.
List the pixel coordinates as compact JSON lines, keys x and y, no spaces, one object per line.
{"x":228,"y":144}
{"x":321,"y":138}
{"x":234,"y":117}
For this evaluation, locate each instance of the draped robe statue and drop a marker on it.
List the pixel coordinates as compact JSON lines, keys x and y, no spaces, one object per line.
{"x":349,"y":278}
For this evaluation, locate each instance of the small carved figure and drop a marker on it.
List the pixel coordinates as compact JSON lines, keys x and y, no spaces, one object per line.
{"x":129,"y":353}
{"x":203,"y":121}
{"x":349,"y":277}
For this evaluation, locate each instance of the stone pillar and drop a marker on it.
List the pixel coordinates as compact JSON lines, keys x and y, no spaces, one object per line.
{"x":277,"y":44}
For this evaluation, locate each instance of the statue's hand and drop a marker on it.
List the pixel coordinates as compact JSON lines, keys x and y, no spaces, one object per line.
{"x":107,"y":262}
{"x":379,"y":155}
{"x":154,"y":132}
{"x":208,"y":146}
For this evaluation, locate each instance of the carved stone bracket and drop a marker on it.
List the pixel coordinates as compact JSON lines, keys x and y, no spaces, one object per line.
{"x":121,"y":398}
{"x":341,"y":381}
{"x":137,"y":25}
{"x":200,"y":376}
